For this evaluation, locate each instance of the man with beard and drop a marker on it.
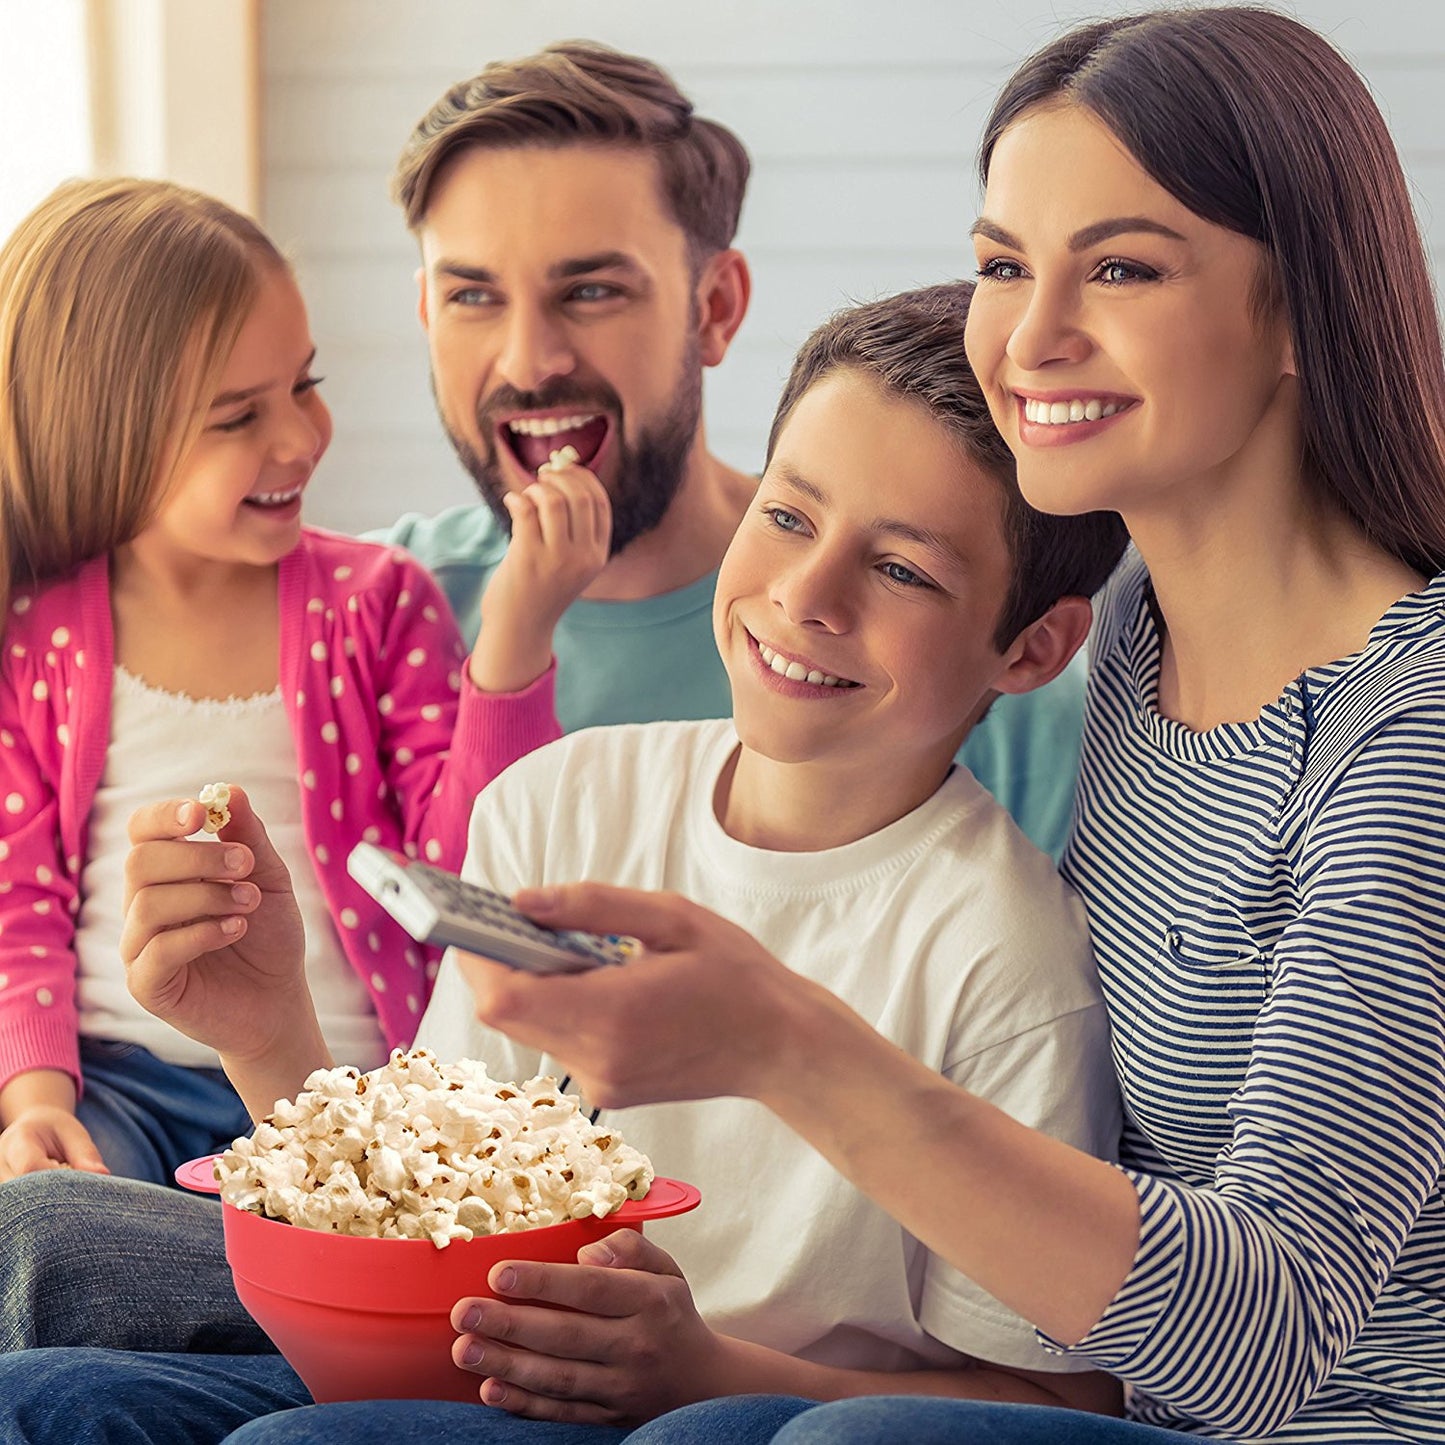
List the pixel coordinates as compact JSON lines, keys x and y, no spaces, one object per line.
{"x":575,"y":221}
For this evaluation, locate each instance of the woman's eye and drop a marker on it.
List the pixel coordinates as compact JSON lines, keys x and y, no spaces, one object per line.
{"x":307,"y":383}
{"x":236,"y":423}
{"x":1000,"y":270}
{"x":1120,"y":273}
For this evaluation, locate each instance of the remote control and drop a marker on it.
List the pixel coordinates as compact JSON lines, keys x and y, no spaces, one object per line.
{"x":437,"y":907}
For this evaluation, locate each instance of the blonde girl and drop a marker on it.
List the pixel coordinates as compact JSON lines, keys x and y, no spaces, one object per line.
{"x":169,"y":621}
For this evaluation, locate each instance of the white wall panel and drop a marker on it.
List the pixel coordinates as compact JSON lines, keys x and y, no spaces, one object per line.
{"x":861,"y":117}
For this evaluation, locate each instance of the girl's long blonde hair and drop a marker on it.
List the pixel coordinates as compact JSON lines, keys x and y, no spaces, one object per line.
{"x":120,"y":301}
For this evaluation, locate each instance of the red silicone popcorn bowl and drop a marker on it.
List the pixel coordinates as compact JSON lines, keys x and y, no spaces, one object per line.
{"x":370,"y":1319}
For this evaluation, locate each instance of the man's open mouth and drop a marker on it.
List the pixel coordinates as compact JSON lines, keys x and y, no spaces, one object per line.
{"x":533,"y":439}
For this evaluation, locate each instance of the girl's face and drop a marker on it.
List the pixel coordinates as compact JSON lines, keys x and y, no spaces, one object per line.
{"x":1115,"y":332}
{"x":236,"y":495}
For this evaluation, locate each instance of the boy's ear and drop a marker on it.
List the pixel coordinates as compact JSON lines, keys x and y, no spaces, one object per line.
{"x":1044,"y":648}
{"x":723,"y":292}
{"x":421,"y":311}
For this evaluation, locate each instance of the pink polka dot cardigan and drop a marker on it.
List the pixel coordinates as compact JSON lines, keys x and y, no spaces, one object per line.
{"x":394,"y":744}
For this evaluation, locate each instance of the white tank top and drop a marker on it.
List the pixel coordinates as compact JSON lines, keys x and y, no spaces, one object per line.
{"x":163,"y":745}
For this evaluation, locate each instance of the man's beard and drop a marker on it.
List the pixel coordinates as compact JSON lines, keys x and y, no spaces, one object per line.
{"x":646,"y":471}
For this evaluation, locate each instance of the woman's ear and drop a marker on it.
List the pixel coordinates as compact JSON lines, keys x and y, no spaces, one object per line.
{"x":1045,"y":648}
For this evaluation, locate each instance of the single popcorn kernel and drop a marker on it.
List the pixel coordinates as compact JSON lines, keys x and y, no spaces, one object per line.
{"x":215,"y":798}
{"x":567,"y":456}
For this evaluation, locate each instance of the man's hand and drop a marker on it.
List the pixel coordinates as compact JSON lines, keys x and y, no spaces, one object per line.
{"x":561,"y":537}
{"x":47,"y":1137}
{"x":213,"y":942}
{"x":629,"y":1345}
{"x":704,"y":1010}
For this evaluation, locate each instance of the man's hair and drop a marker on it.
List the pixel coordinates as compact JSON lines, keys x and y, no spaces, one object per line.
{"x":577,"y":92}
{"x":120,"y":301}
{"x":911,"y":345}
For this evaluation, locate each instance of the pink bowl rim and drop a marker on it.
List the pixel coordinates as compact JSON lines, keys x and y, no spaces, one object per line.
{"x":664,"y":1199}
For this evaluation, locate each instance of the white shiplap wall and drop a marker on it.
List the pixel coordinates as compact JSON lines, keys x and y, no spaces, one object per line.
{"x":861,"y":118}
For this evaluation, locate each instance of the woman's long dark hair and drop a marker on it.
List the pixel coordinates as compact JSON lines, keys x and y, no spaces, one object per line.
{"x":1258,"y":124}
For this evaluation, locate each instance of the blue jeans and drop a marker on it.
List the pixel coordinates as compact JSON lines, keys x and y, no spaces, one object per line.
{"x":91,"y":1260}
{"x":111,"y":1397}
{"x":147,"y":1116}
{"x":890,"y":1420}
{"x":114,"y":1397}
{"x":415,"y":1422}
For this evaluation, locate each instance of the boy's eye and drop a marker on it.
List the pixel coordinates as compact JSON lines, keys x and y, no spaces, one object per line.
{"x":470,"y":296}
{"x":784,"y":520}
{"x":904,"y":576}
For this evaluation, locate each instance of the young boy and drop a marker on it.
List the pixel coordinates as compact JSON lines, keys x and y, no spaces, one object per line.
{"x":886,"y":584}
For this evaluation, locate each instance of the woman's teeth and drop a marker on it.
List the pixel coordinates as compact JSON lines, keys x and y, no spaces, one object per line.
{"x":796,"y":672}
{"x":549,"y":426}
{"x":1059,"y":413}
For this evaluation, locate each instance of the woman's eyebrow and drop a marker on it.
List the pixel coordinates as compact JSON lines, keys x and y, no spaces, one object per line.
{"x":1086,"y":236}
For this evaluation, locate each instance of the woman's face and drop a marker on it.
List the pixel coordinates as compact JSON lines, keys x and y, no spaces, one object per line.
{"x":1115,"y":332}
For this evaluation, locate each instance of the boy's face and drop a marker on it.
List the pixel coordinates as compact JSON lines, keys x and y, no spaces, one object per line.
{"x":856,"y":606}
{"x":560,"y":309}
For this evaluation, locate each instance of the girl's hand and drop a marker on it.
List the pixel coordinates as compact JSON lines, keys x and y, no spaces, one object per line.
{"x":629,"y":1345}
{"x":213,"y":942}
{"x":561,"y":536}
{"x":47,"y":1137}
{"x":704,"y":1010}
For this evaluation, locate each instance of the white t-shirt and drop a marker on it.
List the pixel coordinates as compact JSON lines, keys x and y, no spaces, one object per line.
{"x":164,"y":745}
{"x":948,"y":931}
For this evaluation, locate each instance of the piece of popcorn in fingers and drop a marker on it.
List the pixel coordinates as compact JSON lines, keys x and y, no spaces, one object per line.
{"x":215,"y":798}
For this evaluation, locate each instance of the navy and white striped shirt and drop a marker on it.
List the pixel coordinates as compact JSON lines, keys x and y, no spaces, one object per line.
{"x":1267,"y":902}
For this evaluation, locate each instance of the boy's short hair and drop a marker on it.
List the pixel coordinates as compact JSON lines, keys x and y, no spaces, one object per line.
{"x":577,"y":92}
{"x":911,"y":345}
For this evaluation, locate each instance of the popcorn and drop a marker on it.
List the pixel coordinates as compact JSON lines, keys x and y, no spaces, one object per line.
{"x":567,"y":456}
{"x":215,"y":798}
{"x":418,"y":1149}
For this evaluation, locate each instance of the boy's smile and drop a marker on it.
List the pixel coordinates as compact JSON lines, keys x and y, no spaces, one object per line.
{"x":856,"y":607}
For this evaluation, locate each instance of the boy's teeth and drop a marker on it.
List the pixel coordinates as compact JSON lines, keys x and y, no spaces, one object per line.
{"x":1060,"y":413}
{"x":796,"y":672}
{"x":549,"y":426}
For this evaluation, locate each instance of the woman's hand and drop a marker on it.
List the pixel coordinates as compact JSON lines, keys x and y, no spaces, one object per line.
{"x":704,"y":1010}
{"x":561,"y":539}
{"x":628,"y":1345}
{"x":47,"y":1137}
{"x":213,"y":944}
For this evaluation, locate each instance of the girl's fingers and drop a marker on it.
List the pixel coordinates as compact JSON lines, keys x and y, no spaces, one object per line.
{"x":150,"y":864}
{"x":154,"y":974}
{"x":163,"y":911}
{"x":174,"y":818}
